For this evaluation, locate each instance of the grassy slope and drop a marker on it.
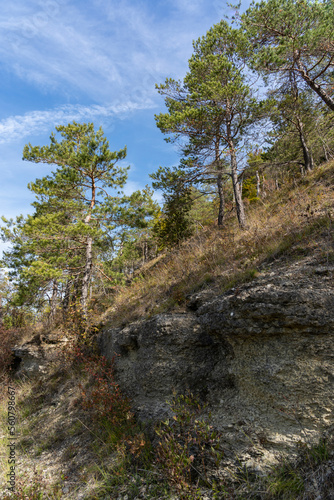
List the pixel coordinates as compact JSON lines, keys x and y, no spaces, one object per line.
{"x":291,"y":222}
{"x":62,"y":453}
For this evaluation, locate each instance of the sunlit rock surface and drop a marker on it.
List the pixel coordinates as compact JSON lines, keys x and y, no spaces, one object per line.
{"x":261,"y":356}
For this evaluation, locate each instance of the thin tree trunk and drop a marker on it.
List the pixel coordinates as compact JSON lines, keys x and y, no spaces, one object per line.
{"x":323,"y":142}
{"x":237,"y":193}
{"x":236,"y":186}
{"x":66,"y":299}
{"x":308,"y":158}
{"x":325,"y":147}
{"x":145,"y":251}
{"x":219,"y":182}
{"x":87,"y":273}
{"x":1,"y":312}
{"x":221,"y":200}
{"x":258,"y":185}
{"x":53,"y":302}
{"x":89,"y":256}
{"x":325,"y":152}
{"x":264,"y":192}
{"x":77,"y":288}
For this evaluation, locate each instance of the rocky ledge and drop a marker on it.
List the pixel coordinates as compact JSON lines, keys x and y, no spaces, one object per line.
{"x":260,"y":355}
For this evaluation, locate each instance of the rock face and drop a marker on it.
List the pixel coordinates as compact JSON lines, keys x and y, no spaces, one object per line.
{"x":34,"y":356}
{"x":262,"y":356}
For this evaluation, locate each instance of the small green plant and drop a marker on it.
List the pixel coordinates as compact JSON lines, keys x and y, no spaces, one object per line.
{"x":286,"y":482}
{"x":318,"y":453}
{"x":188,"y":448}
{"x":34,"y":488}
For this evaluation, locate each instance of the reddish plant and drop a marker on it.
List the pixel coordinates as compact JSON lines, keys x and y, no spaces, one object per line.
{"x":188,"y":447}
{"x":7,"y":342}
{"x":103,"y":397}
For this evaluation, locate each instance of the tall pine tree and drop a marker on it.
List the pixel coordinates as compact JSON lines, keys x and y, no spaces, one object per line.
{"x":212,"y":108}
{"x":86,"y":172}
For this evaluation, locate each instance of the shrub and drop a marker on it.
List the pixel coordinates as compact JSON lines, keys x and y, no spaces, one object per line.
{"x":102,"y":396}
{"x":188,"y":448}
{"x":7,"y":342}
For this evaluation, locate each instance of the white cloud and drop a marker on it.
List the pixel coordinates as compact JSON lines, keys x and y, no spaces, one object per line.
{"x":190,"y":6}
{"x":132,"y":186}
{"x":73,"y":50}
{"x":107,"y":54}
{"x":20,"y":126}
{"x":101,"y":49}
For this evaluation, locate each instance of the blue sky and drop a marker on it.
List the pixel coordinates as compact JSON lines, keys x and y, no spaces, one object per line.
{"x":65,"y":60}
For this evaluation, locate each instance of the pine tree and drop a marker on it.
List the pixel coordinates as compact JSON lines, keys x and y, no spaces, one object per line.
{"x":212,"y":108}
{"x":294,"y":36}
{"x":172,"y":224}
{"x":86,"y":171}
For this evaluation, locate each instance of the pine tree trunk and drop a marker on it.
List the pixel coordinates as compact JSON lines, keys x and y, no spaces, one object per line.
{"x":236,"y":186}
{"x":221,"y":199}
{"x":219,"y":182}
{"x":258,"y":185}
{"x":66,"y":299}
{"x":264,"y":192}
{"x":326,"y":149}
{"x":89,"y":256}
{"x":87,"y":274}
{"x":308,"y":158}
{"x":53,"y":302}
{"x":1,"y":312}
{"x":314,"y":86}
{"x":145,"y":252}
{"x":325,"y":152}
{"x":76,"y":289}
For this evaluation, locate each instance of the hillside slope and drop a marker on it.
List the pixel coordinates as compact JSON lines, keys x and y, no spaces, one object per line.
{"x":291,"y":222}
{"x":261,"y":355}
{"x":244,"y":319}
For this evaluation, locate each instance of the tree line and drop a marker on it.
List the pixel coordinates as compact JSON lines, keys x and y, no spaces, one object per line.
{"x":255,"y":106}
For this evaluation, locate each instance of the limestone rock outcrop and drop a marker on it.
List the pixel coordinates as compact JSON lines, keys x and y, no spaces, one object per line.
{"x":261,"y":356}
{"x":35,"y":355}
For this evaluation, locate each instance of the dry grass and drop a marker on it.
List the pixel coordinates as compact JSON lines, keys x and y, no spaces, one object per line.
{"x":290,"y":223}
{"x":64,"y":448}
{"x":54,"y":446}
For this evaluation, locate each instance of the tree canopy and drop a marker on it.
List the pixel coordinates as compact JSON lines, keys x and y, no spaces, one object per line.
{"x":213,"y":107}
{"x":73,"y":202}
{"x":85,"y":233}
{"x":294,"y":36}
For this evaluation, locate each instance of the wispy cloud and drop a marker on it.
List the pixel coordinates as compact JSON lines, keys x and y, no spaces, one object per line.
{"x":194,"y":7}
{"x":90,"y":60}
{"x":116,"y":47}
{"x":109,"y":53}
{"x":20,"y":126}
